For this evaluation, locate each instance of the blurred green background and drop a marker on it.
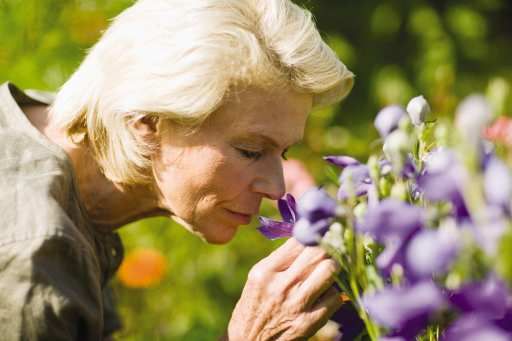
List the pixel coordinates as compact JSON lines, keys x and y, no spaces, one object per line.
{"x":397,"y":49}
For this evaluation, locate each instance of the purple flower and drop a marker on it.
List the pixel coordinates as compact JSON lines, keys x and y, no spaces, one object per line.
{"x":498,"y":184}
{"x":341,"y":161}
{"x":430,"y":252}
{"x":309,"y":233}
{"x":273,"y":229}
{"x":474,"y":327}
{"x":315,"y":204}
{"x":392,"y":223}
{"x":388,"y":119}
{"x":392,"y":219}
{"x":316,"y":210}
{"x":354,"y":178}
{"x":307,"y":221}
{"x":490,"y":230}
{"x":443,"y":179}
{"x":487,"y":298}
{"x":409,"y":170}
{"x":405,"y":310}
{"x":394,"y":253}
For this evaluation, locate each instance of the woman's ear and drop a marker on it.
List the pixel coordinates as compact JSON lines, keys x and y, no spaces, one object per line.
{"x":145,"y":127}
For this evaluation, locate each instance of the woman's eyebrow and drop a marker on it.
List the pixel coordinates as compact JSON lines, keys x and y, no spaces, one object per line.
{"x":269,"y":140}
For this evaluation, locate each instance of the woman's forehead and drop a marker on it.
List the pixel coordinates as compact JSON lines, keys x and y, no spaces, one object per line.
{"x":273,"y":118}
{"x":257,"y":111}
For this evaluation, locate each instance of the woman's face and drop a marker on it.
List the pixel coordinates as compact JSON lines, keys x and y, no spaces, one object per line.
{"x":213,"y":180}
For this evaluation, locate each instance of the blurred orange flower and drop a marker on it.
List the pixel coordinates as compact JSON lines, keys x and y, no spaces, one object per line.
{"x":142,"y":268}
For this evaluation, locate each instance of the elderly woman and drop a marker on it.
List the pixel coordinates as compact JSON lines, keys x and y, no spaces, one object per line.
{"x":184,"y":108}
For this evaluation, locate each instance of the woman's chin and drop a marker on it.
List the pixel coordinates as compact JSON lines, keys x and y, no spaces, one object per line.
{"x":220,"y":237}
{"x":210,"y":233}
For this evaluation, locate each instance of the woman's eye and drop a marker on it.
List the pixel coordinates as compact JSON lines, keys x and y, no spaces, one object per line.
{"x":283,"y":155}
{"x":249,"y":154}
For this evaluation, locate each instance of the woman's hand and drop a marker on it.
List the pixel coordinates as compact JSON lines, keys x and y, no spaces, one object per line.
{"x":288,"y":295}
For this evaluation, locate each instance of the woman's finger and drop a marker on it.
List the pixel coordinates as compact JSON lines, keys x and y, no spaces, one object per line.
{"x":326,"y":306}
{"x":281,"y":258}
{"x":314,"y":319}
{"x":316,"y":284}
{"x":305,"y":263}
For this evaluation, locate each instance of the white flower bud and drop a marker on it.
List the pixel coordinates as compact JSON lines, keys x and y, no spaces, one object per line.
{"x":334,"y":237}
{"x":418,"y":110}
{"x":395,"y":148}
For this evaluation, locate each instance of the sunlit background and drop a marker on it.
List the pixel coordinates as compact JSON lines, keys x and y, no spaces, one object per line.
{"x":172,"y":286}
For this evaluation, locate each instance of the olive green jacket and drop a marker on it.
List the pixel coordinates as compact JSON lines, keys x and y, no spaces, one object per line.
{"x":54,"y":264}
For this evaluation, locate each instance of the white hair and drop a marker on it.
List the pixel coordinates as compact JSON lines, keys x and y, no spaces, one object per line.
{"x":177,"y":60}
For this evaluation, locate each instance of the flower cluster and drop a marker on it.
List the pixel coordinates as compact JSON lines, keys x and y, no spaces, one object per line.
{"x":421,"y":230}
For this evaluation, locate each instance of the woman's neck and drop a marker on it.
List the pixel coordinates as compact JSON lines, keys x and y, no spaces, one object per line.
{"x":108,"y":204}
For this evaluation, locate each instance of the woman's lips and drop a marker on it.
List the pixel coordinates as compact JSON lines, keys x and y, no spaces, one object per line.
{"x":240,"y":217}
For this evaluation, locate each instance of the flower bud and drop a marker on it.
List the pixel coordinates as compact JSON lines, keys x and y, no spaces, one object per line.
{"x":396,"y":147}
{"x":399,"y":191}
{"x":418,"y":110}
{"x":388,"y":119}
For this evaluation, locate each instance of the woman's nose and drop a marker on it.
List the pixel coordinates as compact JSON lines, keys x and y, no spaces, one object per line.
{"x":270,"y":183}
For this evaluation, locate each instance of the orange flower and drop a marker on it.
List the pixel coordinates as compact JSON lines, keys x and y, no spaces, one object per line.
{"x":142,"y":268}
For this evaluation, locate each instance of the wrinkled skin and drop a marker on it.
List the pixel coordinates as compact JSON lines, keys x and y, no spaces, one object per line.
{"x":288,"y":296}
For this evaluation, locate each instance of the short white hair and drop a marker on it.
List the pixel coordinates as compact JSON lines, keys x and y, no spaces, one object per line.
{"x":177,"y":60}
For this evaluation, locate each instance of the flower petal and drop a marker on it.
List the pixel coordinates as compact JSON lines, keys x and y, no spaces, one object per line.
{"x":474,"y":327}
{"x":388,"y":118}
{"x":392,"y":219}
{"x":273,"y":229}
{"x":316,"y":205}
{"x":341,"y":161}
{"x":429,"y":253}
{"x":487,"y":298}
{"x":286,"y":212}
{"x":405,"y":307}
{"x":498,"y":183}
{"x":309,"y":233}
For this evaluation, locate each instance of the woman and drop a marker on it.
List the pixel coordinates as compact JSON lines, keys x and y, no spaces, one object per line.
{"x":182,"y":109}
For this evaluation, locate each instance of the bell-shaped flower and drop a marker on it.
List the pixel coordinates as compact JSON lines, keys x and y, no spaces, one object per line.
{"x":392,"y":255}
{"x":273,"y":229}
{"x":431,"y":252}
{"x":492,"y":225}
{"x":404,"y":310}
{"x":418,"y":110}
{"x":443,"y":179}
{"x":354,"y":180}
{"x":498,"y":184}
{"x":392,"y":223}
{"x":474,"y":327}
{"x":316,"y":210}
{"x":388,"y":119}
{"x":315,"y":204}
{"x":392,"y":219}
{"x":487,"y":298}
{"x":310,"y":233}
